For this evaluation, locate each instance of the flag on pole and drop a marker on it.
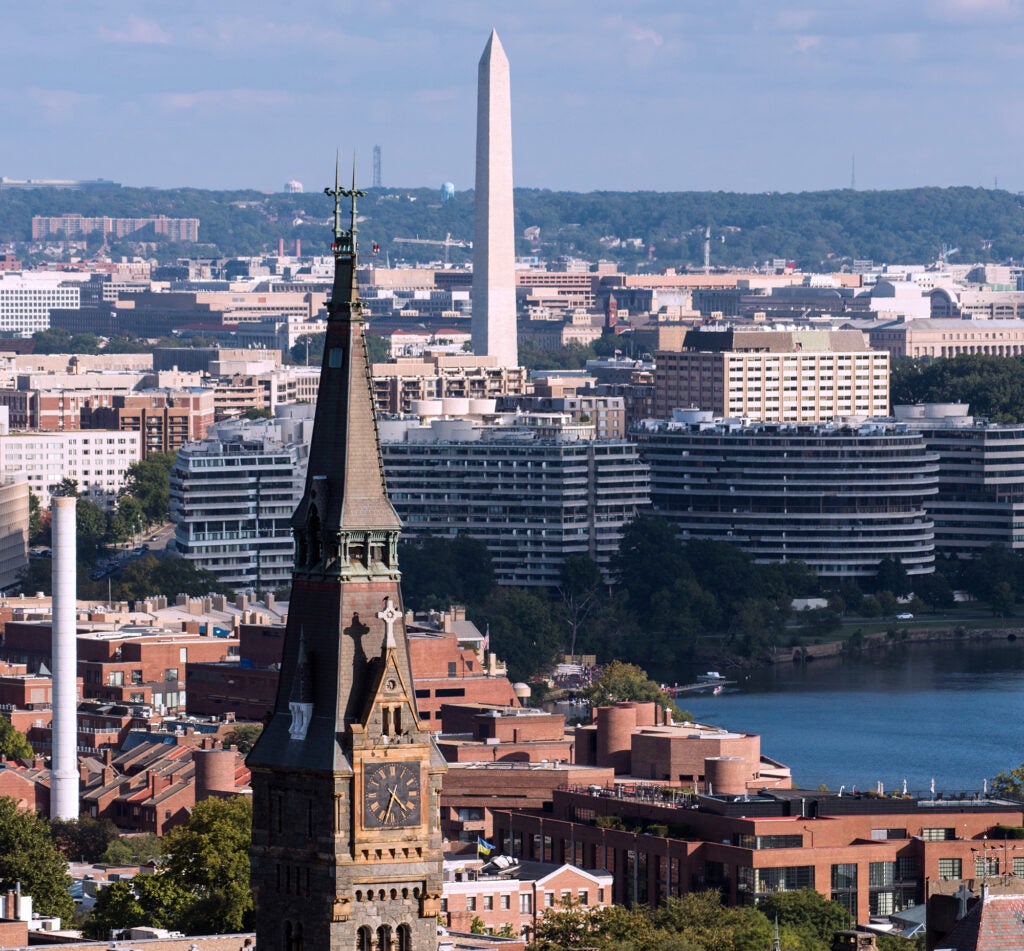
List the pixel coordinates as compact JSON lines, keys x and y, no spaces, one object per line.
{"x":483,"y":847}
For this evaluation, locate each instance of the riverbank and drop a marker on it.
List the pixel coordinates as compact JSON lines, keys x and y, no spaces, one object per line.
{"x":902,"y":635}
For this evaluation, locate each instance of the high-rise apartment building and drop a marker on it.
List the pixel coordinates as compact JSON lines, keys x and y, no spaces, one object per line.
{"x":232,"y":497}
{"x":96,"y":460}
{"x":533,"y":493}
{"x":774,"y":376}
{"x":75,"y":226}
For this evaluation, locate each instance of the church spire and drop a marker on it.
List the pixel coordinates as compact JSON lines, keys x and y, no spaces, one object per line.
{"x":346,"y":778}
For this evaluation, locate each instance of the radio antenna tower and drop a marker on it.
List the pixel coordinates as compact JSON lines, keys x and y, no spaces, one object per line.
{"x":853,"y":173}
{"x":376,"y":167}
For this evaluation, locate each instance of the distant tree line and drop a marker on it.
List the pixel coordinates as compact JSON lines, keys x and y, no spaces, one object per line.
{"x":820,"y":230}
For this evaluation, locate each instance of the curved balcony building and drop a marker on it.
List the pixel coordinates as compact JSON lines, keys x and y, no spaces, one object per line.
{"x":837,"y":497}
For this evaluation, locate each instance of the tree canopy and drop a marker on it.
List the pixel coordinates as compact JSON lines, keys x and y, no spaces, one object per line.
{"x":13,"y":743}
{"x":992,"y":386}
{"x":618,"y":682}
{"x":29,"y":855}
{"x":209,"y":857}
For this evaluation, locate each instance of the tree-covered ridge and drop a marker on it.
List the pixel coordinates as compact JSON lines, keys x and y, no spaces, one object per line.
{"x":817,"y":230}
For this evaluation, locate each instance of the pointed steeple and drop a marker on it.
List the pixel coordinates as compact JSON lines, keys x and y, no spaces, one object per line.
{"x":345,"y":479}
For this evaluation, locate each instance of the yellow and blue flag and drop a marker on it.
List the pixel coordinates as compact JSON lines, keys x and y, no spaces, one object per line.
{"x":483,"y":847}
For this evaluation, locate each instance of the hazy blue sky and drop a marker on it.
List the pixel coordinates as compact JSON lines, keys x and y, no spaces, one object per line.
{"x":739,"y":95}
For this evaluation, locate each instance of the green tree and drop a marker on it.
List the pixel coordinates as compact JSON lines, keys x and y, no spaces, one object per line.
{"x":84,"y":839}
{"x":892,"y":576}
{"x":148,"y":576}
{"x":209,"y":856}
{"x":149,"y":481}
{"x":1010,"y":783}
{"x":580,"y":589}
{"x":117,"y":907}
{"x":806,"y":911}
{"x":139,"y":849}
{"x":438,"y":572}
{"x":13,"y":743}
{"x":619,"y":681}
{"x":35,"y":518}
{"x":90,"y":529}
{"x":523,"y":630}
{"x":244,"y":736}
{"x":29,"y":855}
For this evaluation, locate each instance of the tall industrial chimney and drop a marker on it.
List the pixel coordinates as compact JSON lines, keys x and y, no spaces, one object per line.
{"x":64,"y":762}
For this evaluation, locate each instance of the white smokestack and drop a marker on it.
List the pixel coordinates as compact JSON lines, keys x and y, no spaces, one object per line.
{"x":64,"y":763}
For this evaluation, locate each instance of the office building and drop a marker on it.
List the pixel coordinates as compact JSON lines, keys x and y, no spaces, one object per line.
{"x":75,"y":227}
{"x":27,"y":299}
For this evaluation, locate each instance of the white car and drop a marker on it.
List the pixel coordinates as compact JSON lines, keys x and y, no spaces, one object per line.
{"x":906,"y":616}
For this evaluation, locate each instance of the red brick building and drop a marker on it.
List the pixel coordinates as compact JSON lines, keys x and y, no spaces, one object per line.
{"x":127,"y":665}
{"x":516,"y":894}
{"x":446,"y":652}
{"x":154,"y":785}
{"x":167,"y":419}
{"x":875,"y":855}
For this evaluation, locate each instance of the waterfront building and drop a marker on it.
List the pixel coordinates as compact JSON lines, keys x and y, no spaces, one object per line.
{"x":787,"y":376}
{"x":980,"y":498}
{"x":874,"y":854}
{"x":840,"y":498}
{"x":232,"y":496}
{"x":534,"y":492}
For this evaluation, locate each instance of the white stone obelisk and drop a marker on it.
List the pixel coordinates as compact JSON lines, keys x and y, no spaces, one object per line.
{"x":494,"y":250}
{"x":64,"y":755}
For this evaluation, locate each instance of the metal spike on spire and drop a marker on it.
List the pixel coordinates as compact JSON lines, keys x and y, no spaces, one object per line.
{"x":344,"y":241}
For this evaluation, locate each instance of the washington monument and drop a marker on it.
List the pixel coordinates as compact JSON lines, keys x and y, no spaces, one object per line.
{"x":494,"y":276}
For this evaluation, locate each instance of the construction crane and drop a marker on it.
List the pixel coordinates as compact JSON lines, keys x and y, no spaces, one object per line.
{"x":446,"y":244}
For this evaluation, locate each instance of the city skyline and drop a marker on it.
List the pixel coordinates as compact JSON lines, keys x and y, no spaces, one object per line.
{"x":648,"y":97}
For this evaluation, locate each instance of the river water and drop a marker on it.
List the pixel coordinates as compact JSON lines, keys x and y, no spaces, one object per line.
{"x":952,"y":713}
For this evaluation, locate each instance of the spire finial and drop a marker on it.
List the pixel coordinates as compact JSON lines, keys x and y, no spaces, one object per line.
{"x":344,"y":241}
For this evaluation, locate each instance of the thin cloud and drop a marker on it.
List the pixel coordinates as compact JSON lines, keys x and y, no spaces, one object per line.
{"x":59,"y":105}
{"x":221,"y":99}
{"x":644,"y":35}
{"x":804,"y":44}
{"x":137,"y":30}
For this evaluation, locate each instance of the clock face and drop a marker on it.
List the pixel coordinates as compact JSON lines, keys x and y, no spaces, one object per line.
{"x":391,"y":795}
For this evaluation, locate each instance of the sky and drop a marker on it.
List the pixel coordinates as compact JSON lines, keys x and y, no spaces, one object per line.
{"x":663,"y":95}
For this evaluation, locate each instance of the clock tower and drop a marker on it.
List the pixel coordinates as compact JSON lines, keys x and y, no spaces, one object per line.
{"x":346,"y":839}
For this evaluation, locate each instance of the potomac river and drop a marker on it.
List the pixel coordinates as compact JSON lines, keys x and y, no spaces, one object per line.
{"x":949,"y":712}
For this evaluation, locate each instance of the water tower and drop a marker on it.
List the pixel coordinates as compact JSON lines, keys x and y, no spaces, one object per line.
{"x":447,"y":191}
